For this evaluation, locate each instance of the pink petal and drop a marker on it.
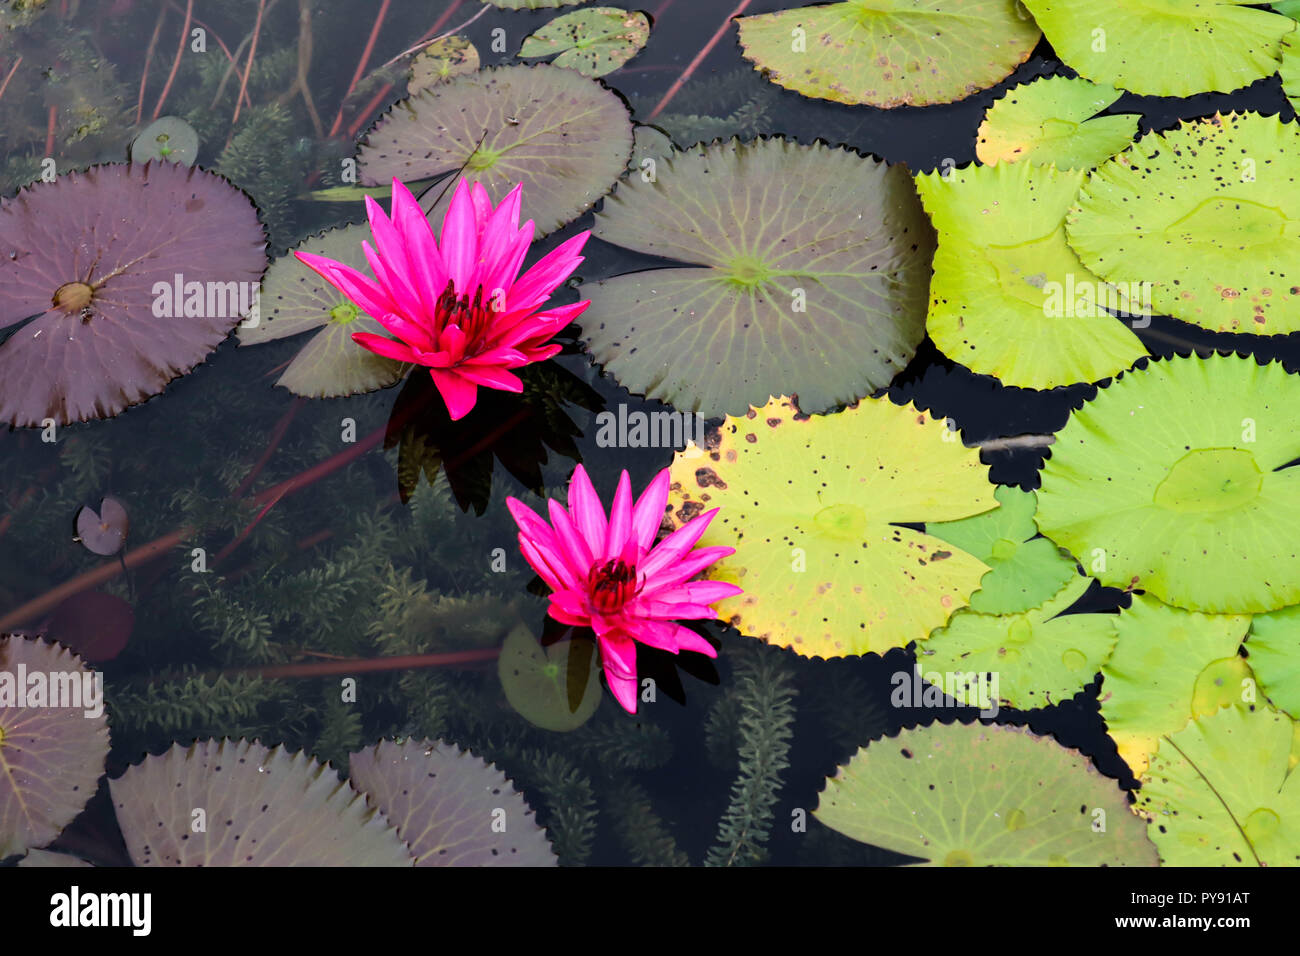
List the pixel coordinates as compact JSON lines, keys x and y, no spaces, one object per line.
{"x":649,"y":511}
{"x":571,"y":619}
{"x":367,"y":294}
{"x":385,"y":347}
{"x":392,"y":249}
{"x":428,"y":273}
{"x":675,"y":546}
{"x":685,"y":569}
{"x":619,"y":532}
{"x":688,"y":640}
{"x":624,"y":690}
{"x":536,"y":285}
{"x":459,"y":393}
{"x":587,"y":511}
{"x":573,"y":547}
{"x":459,"y":242}
{"x":491,"y":376}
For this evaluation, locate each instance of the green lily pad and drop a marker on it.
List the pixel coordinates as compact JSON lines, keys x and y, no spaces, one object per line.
{"x":450,"y":807}
{"x":958,"y":795}
{"x":167,"y":138}
{"x":1220,"y":792}
{"x":1170,"y":666}
{"x":1210,"y":214}
{"x":556,"y":687}
{"x":295,"y":299}
{"x":782,"y":275}
{"x":826,"y":568}
{"x":1009,"y":297}
{"x":1290,"y":8}
{"x":1036,"y":657}
{"x":51,"y":754}
{"x":1274,"y":648}
{"x":594,"y":41}
{"x":1163,"y":47}
{"x":236,"y":803}
{"x":1290,"y":71}
{"x":1167,"y":482}
{"x":890,"y":53}
{"x":441,"y":60}
{"x":565,"y":137}
{"x":1053,"y":121}
{"x":1027,"y":569}
{"x":533,"y":4}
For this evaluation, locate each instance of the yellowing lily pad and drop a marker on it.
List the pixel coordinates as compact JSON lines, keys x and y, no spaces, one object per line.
{"x":1169,"y":667}
{"x":1032,"y":659}
{"x":1274,"y":649}
{"x":556,"y":687}
{"x":1220,"y":792}
{"x":1009,"y":297}
{"x":1163,"y":47}
{"x":826,"y":568}
{"x":1290,"y":70}
{"x":565,"y":137}
{"x":1027,"y":569}
{"x":788,"y":288}
{"x":1053,"y":121}
{"x":958,"y":795}
{"x":294,"y":299}
{"x":1167,"y":482}
{"x":1210,"y":214}
{"x":594,"y":41}
{"x":441,"y":60}
{"x":890,"y":52}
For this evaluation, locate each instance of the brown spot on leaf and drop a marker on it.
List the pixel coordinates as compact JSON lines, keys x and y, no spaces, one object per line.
{"x":708,"y":478}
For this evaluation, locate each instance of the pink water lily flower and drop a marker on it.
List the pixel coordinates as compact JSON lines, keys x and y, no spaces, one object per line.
{"x":458,"y":305}
{"x":608,"y":574}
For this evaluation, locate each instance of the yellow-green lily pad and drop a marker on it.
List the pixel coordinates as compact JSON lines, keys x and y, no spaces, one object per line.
{"x":594,"y":41}
{"x":556,"y":687}
{"x":1274,"y":650}
{"x":826,"y":567}
{"x":1053,"y":121}
{"x":957,"y":795}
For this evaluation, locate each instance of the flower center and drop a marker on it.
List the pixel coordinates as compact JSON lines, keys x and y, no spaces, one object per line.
{"x":611,"y":585}
{"x":471,"y":315}
{"x":73,"y":296}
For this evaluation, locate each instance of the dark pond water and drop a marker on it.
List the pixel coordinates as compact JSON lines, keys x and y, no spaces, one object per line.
{"x":322,"y":574}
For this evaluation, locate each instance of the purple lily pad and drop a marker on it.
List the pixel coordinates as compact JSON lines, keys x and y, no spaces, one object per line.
{"x":51,"y":757}
{"x":449,"y":806}
{"x":95,"y":257}
{"x":93,"y":624}
{"x":103,"y":532}
{"x":261,"y":807}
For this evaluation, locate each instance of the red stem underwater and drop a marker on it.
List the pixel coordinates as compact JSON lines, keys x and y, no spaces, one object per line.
{"x":699,"y":58}
{"x":180,"y":51}
{"x":361,"y":66}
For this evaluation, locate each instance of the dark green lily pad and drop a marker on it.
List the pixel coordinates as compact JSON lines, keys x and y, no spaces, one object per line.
{"x":890,"y":52}
{"x":787,"y":287}
{"x":441,"y":60}
{"x":1164,"y":47}
{"x":565,"y":137}
{"x":167,"y":138}
{"x":296,"y":300}
{"x":594,"y":41}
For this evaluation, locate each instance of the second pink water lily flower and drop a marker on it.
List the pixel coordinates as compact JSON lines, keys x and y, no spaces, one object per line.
{"x":608,"y":574}
{"x":458,"y":305}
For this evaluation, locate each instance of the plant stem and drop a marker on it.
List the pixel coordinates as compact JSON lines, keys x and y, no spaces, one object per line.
{"x":148,"y":57}
{"x":10,"y":75}
{"x":366,"y":665}
{"x":180,"y":51}
{"x":49,"y":131}
{"x":361,"y":66}
{"x":699,"y":58}
{"x":248,"y":68}
{"x":277,"y":435}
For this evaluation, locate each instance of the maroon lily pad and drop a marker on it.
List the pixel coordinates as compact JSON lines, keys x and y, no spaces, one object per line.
{"x":450,"y":807}
{"x":93,"y":260}
{"x":103,"y":532}
{"x":93,"y":624}
{"x":51,"y":755}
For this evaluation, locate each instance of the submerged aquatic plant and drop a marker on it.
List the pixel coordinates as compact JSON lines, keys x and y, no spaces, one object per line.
{"x":457,"y":304}
{"x":607,"y":573}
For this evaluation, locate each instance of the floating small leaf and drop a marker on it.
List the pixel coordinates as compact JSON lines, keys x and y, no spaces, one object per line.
{"x":594,"y":41}
{"x":446,"y":803}
{"x":167,"y":138}
{"x":1053,"y":121}
{"x":827,"y":567}
{"x":295,"y":299}
{"x":565,"y":137}
{"x":1220,"y":792}
{"x":1039,"y":657}
{"x":1027,"y":569}
{"x":1008,"y":294}
{"x":51,"y":757}
{"x":260,"y":807}
{"x":1170,"y":666}
{"x":1171,"y":475}
{"x":86,"y":254}
{"x":555,"y":687}
{"x":983,"y":796}
{"x":781,"y":274}
{"x":103,"y":532}
{"x":1208,"y":212}
{"x":440,"y":60}
{"x":890,"y":52}
{"x":1199,"y":45}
